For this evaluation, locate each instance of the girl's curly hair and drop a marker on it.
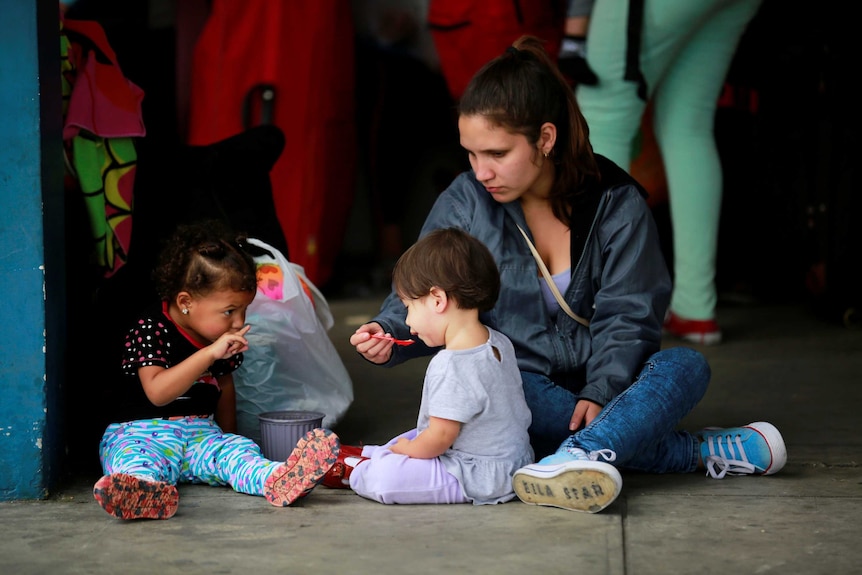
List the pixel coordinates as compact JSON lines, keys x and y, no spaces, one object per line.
{"x":204,"y":257}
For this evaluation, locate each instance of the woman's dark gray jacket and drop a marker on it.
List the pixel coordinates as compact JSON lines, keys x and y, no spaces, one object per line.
{"x":620,"y":283}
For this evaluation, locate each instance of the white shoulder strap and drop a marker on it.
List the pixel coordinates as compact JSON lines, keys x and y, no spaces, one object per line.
{"x":544,"y":269}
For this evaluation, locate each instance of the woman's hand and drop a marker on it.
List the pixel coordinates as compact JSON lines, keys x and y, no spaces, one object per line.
{"x":374,"y":350}
{"x":584,"y":414}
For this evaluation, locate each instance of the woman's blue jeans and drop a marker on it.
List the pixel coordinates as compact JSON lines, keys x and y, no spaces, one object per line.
{"x":639,"y":424}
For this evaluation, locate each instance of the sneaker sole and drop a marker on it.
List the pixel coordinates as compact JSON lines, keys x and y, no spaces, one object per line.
{"x":305,"y":467}
{"x":128,"y":497}
{"x":775,"y":442}
{"x":578,"y":486}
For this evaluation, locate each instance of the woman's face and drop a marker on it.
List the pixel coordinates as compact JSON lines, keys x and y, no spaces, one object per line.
{"x":507,"y":164}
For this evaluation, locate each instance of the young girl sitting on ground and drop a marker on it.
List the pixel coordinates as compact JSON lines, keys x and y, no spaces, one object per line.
{"x":176,"y":421}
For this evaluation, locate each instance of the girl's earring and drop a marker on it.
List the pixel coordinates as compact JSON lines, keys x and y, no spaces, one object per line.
{"x":546,"y":154}
{"x":185,"y":311}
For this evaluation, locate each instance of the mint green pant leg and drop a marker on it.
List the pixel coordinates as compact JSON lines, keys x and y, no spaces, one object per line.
{"x":686,"y":51}
{"x":684,"y":117}
{"x":612,"y":108}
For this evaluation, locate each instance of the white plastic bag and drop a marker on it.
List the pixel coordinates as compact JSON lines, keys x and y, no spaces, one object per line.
{"x":291,"y":363}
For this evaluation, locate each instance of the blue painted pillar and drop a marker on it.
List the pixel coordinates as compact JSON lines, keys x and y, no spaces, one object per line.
{"x":32,"y":274}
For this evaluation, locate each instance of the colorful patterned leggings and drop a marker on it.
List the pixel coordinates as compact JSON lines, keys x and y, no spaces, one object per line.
{"x":188,"y":450}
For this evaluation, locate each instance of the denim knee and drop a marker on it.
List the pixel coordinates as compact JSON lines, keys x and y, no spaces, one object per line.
{"x":688,"y":365}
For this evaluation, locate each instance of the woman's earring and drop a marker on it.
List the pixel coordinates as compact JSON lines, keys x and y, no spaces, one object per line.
{"x":185,"y":311}
{"x":546,"y":154}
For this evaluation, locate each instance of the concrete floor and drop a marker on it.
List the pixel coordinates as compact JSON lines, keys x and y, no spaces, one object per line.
{"x":779,"y":363}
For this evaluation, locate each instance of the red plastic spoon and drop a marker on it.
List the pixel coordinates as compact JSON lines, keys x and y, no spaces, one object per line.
{"x":393,"y":340}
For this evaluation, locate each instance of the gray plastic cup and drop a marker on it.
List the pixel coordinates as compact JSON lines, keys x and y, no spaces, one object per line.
{"x":281,"y":430}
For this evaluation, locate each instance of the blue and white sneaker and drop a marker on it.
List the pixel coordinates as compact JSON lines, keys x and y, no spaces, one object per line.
{"x":570,"y":479}
{"x":754,"y":449}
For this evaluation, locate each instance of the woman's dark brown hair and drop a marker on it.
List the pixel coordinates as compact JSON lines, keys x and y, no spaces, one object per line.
{"x":451,"y":260}
{"x":522,"y":89}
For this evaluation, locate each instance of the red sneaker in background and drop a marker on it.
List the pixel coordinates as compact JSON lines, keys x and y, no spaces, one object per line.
{"x":702,"y":331}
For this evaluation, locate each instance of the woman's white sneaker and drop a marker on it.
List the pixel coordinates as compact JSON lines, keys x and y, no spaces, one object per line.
{"x":570,"y":479}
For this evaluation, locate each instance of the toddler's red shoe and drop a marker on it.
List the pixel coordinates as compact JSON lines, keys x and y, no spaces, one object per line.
{"x":702,"y":331}
{"x":339,"y":475}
